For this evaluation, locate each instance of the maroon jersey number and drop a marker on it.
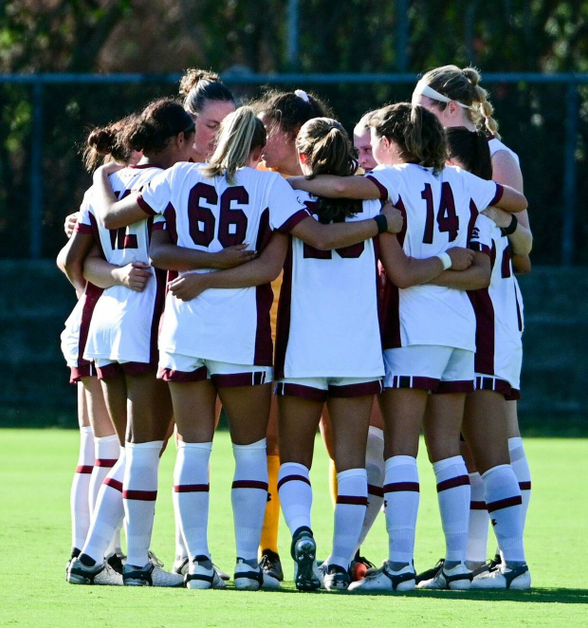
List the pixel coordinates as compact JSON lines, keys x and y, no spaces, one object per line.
{"x":447,"y":218}
{"x":233,"y":222}
{"x":119,"y":238}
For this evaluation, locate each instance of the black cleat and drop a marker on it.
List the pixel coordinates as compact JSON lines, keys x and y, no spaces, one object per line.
{"x":271,"y":564}
{"x":431,"y":573}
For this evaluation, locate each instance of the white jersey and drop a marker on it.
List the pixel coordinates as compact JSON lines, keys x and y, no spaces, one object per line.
{"x":437,"y":215}
{"x":328,"y":315}
{"x":124,"y":324}
{"x":208,"y":214}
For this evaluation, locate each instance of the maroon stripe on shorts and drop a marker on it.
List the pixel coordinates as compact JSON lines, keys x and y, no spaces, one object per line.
{"x":525,"y":486}
{"x":115,"y":484}
{"x":105,"y":462}
{"x":283,"y":322}
{"x":378,"y":491}
{"x":264,"y":298}
{"x":250,"y":484}
{"x":169,"y":375}
{"x":293,"y":478}
{"x":478,"y":506}
{"x":505,"y":503}
{"x":238,"y":379}
{"x":109,"y":370}
{"x":191,"y":488}
{"x":513,"y":395}
{"x":160,"y":277}
{"x":352,"y":500}
{"x":396,"y":487}
{"x":77,"y":372}
{"x":356,"y":390}
{"x":86,"y":468}
{"x":462,"y":386}
{"x":484,"y":313}
{"x":418,"y":383}
{"x":460,"y":480}
{"x":283,"y":389}
{"x":148,"y":496}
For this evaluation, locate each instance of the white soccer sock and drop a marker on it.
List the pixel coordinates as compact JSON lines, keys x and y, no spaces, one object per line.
{"x":181,"y":549}
{"x":454,"y":494}
{"x":108,"y":513}
{"x":191,"y":495}
{"x":295,"y":495}
{"x":249,"y":496}
{"x":349,"y":515}
{"x":520,"y":466}
{"x":478,"y":527}
{"x":374,"y":466}
{"x":80,"y":486}
{"x":107,"y":449}
{"x":401,"y":494}
{"x":139,"y":495}
{"x":503,"y":498}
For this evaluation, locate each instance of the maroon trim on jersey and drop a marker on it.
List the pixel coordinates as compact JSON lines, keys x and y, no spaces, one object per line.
{"x":383,"y":191}
{"x":514,"y":395}
{"x":191,"y":488}
{"x":144,"y":205}
{"x":90,"y":296}
{"x":233,"y":380}
{"x":86,"y":468}
{"x":181,"y":377}
{"x":472,"y":222}
{"x":115,"y":369}
{"x":356,"y":390}
{"x":146,"y":496}
{"x":284,"y":314}
{"x":517,"y":500}
{"x":299,"y":216}
{"x":170,"y":218}
{"x":105,"y":462}
{"x":498,"y":195}
{"x":485,"y":321}
{"x":78,"y":372}
{"x":293,"y":478}
{"x":160,"y":277}
{"x":352,"y":500}
{"x":264,"y":298}
{"x":115,"y":484}
{"x":460,"y":480}
{"x":82,"y":228}
{"x":283,"y":389}
{"x":519,"y":311}
{"x":416,"y":382}
{"x":378,"y":491}
{"x":459,"y":386}
{"x":158,"y":226}
{"x":397,"y":487}
{"x":143,"y":166}
{"x":390,"y":303}
{"x":482,"y":248}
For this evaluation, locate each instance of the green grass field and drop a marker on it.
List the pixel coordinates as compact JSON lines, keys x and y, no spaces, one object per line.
{"x":35,"y":474}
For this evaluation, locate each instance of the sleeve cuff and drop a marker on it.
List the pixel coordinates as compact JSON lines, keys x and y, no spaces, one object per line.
{"x":381,"y":188}
{"x":82,"y":228}
{"x":142,"y":203}
{"x":498,"y":195}
{"x":299,"y":216}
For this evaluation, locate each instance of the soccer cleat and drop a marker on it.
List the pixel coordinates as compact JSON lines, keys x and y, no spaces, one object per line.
{"x":271,"y":564}
{"x":457,"y":578}
{"x":116,"y":561}
{"x":430,"y":573}
{"x":386,"y":579}
{"x":104,"y":574}
{"x":152,"y":575}
{"x":249,"y":576}
{"x":504,"y":577}
{"x":202,"y":574}
{"x":181,"y":565}
{"x":336,"y":578}
{"x":303,"y":550}
{"x":491,"y":565}
{"x":359,"y":567}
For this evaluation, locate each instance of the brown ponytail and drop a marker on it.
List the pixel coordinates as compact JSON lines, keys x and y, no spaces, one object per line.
{"x":107,"y":141}
{"x":329,"y":150}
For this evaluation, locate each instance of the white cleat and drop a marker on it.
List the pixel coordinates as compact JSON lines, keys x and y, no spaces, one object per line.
{"x":249,"y":576}
{"x":336,"y":578}
{"x":104,"y":574}
{"x":202,"y":574}
{"x":504,"y":577}
{"x":386,"y":579}
{"x":152,"y":575}
{"x":458,"y":578}
{"x":181,"y":565}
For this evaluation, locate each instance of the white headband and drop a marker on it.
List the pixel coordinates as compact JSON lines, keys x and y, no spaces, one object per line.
{"x":426,"y":90}
{"x":302,"y":94}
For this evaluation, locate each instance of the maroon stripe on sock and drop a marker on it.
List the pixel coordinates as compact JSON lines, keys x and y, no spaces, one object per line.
{"x":505,"y":503}
{"x":84,"y":469}
{"x":525,"y":486}
{"x":395,"y":487}
{"x":478,"y":506}
{"x":460,"y":480}
{"x":352,"y":500}
{"x":146,"y":496}
{"x":115,"y":484}
{"x":293,"y":478}
{"x":378,"y":491}
{"x":192,"y":488}
{"x":106,"y":462}
{"x":250,"y":484}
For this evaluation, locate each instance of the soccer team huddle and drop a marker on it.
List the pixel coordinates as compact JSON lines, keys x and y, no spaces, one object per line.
{"x":382,"y":268}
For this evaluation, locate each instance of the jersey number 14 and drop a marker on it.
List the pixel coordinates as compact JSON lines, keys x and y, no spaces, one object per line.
{"x":447,"y":219}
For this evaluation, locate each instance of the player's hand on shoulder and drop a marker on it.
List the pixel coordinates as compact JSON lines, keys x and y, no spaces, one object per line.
{"x":461,"y":258}
{"x":499,"y":216}
{"x":233,"y":256}
{"x":188,"y":286}
{"x":394,"y":218}
{"x":70,"y":223}
{"x":134,"y":276}
{"x":106,"y":169}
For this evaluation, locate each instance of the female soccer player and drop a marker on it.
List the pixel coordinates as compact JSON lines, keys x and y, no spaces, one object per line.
{"x":122,"y":342}
{"x":223,"y":338}
{"x":422,"y":352}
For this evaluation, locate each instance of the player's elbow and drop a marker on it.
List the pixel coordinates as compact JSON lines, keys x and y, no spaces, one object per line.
{"x":110,"y":222}
{"x":481,"y":279}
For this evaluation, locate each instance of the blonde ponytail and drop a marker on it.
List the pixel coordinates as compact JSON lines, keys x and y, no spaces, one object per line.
{"x":240,"y":133}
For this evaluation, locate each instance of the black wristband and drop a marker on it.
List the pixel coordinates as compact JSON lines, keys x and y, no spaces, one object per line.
{"x":382,"y":223}
{"x":512,"y":227}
